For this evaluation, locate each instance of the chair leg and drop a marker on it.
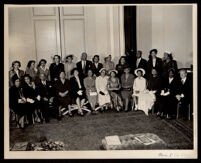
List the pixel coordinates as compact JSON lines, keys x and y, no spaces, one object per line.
{"x":178,"y":109}
{"x":189,"y":112}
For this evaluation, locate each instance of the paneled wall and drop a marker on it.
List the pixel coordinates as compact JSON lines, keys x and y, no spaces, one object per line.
{"x":46,"y":31}
{"x":166,"y":28}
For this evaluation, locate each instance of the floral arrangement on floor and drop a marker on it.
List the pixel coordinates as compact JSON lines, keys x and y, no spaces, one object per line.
{"x":46,"y":146}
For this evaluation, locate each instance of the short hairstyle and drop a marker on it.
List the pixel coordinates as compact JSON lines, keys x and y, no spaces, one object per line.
{"x":28,"y":76}
{"x":184,"y":70}
{"x":56,"y":56}
{"x":139,"y":51}
{"x":172,"y":70}
{"x":30,"y":62}
{"x":14,"y":62}
{"x":95,"y":56}
{"x":170,"y":56}
{"x":42,"y":60}
{"x":140,"y":71}
{"x":73,"y":70}
{"x":122,"y":58}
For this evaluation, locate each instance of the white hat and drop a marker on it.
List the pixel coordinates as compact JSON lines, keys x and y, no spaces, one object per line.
{"x":168,"y":52}
{"x":140,"y":69}
{"x":102,"y":69}
{"x":113,"y":71}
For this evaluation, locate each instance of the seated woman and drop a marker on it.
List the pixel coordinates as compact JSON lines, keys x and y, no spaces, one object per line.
{"x":31,"y":70}
{"x":101,"y":87}
{"x":17,"y":102}
{"x":143,"y":99}
{"x":121,"y":65}
{"x":89,"y":84}
{"x":43,"y":69}
{"x":139,"y":86}
{"x":114,"y":87}
{"x":78,"y":91}
{"x":108,"y":64}
{"x":168,"y":101}
{"x":127,"y":83}
{"x":15,"y":70}
{"x":63,"y":94}
{"x":32,"y":99}
{"x":155,"y":85}
{"x":68,"y":66}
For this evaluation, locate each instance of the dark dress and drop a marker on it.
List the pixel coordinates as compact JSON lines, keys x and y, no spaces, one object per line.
{"x":169,"y":103}
{"x":170,"y":65}
{"x":96,"y":69}
{"x":45,"y":91}
{"x":83,"y":72}
{"x":60,"y":87}
{"x":158,"y":66}
{"x":75,"y":88}
{"x":120,"y":68}
{"x":187,"y":90}
{"x":15,"y":94}
{"x":55,"y":70}
{"x":30,"y":92}
{"x":155,"y":84}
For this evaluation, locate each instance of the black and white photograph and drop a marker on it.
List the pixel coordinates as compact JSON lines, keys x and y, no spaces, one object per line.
{"x":100,"y":81}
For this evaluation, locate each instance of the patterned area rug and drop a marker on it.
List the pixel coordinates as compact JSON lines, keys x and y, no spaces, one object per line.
{"x":86,"y":133}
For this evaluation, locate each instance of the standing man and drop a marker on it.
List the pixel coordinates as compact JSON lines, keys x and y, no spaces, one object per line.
{"x":84,"y":65}
{"x":140,"y":62}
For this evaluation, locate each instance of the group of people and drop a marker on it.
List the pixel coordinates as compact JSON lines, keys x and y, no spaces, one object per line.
{"x":90,"y":86}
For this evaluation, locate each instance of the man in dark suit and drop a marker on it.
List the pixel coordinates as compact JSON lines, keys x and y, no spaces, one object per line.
{"x":140,"y":62}
{"x":96,"y":66}
{"x":45,"y":91}
{"x":84,"y":65}
{"x":184,"y":92}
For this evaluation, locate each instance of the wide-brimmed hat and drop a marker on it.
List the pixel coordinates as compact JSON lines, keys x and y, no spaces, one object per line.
{"x":113,"y":71}
{"x":168,"y":52}
{"x":70,"y":55}
{"x":139,"y":69}
{"x":102,"y":70}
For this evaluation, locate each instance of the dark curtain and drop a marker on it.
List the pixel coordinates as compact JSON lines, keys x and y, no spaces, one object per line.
{"x":130,"y":32}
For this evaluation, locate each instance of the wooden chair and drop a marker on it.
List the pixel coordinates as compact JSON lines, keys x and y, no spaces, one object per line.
{"x":178,"y":111}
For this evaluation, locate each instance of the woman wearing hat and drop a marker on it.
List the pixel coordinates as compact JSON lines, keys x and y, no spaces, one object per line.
{"x":168,"y":63}
{"x":68,"y":66}
{"x":127,"y":86}
{"x":15,"y":70}
{"x":139,"y":86}
{"x":108,"y":64}
{"x":101,"y":87}
{"x":114,"y":90}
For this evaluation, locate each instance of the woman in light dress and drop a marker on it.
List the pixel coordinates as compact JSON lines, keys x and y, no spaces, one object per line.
{"x":89,"y":84}
{"x":43,"y":69}
{"x":69,"y":66}
{"x":114,"y":87}
{"x":101,"y":87}
{"x":142,"y":98}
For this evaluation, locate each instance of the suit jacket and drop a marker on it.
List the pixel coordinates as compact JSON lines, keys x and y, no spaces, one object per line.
{"x":82,"y":73}
{"x":186,"y":89}
{"x":142,"y":64}
{"x":158,"y":66}
{"x":45,"y":90}
{"x":96,"y":70}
